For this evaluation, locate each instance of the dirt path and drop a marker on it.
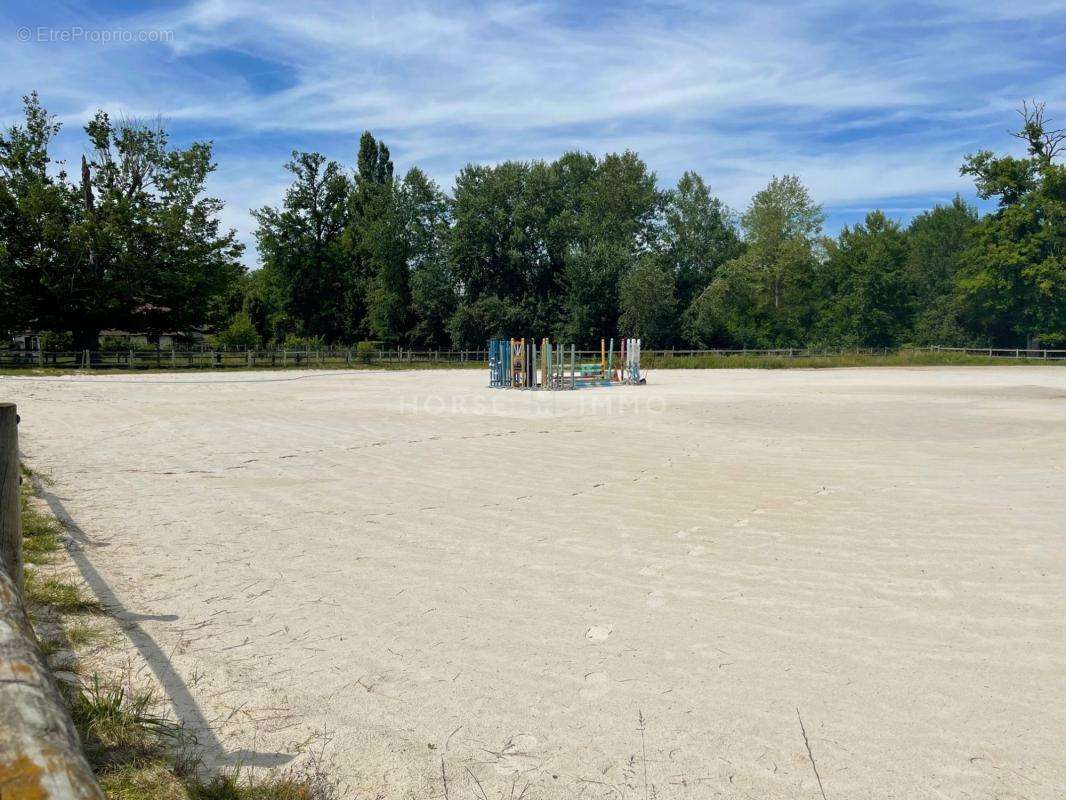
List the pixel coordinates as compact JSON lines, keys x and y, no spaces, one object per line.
{"x":425,"y":569}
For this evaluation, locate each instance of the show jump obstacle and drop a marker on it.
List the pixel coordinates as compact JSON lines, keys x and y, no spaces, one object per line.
{"x":518,"y":364}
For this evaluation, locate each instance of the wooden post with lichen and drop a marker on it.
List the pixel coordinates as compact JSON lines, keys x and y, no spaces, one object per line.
{"x":10,"y":527}
{"x":40,"y":755}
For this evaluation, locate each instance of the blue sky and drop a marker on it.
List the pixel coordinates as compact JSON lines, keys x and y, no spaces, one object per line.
{"x":871,"y":104}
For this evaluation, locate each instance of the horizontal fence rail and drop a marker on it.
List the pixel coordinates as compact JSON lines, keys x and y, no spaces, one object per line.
{"x":803,"y":352}
{"x":343,"y":357}
{"x":223,"y":359}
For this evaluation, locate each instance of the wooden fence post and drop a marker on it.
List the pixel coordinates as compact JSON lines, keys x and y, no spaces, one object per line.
{"x":10,"y":525}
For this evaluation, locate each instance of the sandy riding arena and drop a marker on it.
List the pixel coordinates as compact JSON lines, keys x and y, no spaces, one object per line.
{"x":632,"y":592}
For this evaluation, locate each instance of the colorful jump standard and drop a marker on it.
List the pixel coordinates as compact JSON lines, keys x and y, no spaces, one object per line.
{"x":518,"y":364}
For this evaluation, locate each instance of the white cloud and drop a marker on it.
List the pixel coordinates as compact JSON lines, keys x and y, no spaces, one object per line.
{"x":877,"y":104}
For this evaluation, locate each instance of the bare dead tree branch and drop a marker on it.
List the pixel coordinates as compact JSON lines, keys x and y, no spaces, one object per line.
{"x":1043,"y":141}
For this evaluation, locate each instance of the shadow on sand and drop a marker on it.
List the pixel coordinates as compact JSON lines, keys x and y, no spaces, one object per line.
{"x":185,"y":706}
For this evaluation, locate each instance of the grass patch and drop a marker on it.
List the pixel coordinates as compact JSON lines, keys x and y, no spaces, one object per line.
{"x":157,"y":780}
{"x":42,"y":537}
{"x":58,"y":595}
{"x":81,"y":634}
{"x":30,"y":475}
{"x":309,"y":783}
{"x":42,"y":534}
{"x":154,"y":780}
{"x":138,"y":753}
{"x":119,"y":725}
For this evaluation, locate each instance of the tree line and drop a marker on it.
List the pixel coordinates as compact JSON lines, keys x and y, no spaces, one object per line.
{"x":578,"y":248}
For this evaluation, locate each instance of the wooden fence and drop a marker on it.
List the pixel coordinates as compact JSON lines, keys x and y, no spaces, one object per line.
{"x":225,"y":359}
{"x":831,"y":352}
{"x":338,"y":357}
{"x":40,"y":755}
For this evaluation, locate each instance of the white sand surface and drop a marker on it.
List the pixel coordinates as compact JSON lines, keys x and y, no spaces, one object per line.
{"x":419,"y":568}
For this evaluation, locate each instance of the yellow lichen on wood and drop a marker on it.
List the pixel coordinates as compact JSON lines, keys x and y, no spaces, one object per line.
{"x":40,"y":755}
{"x":20,"y":779}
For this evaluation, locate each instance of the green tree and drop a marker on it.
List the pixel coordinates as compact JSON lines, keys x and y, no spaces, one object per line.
{"x":648,"y":303}
{"x":153,"y":238}
{"x":262,"y":298}
{"x":863,"y":281}
{"x":137,"y":244}
{"x":1013,"y":285}
{"x":433,"y":294}
{"x":766,"y":297}
{"x":731,"y":312}
{"x":302,"y":246}
{"x":617,"y":220}
{"x":490,"y":251}
{"x":620,"y":204}
{"x":700,"y":235}
{"x":240,"y":334}
{"x":546,"y":244}
{"x":376,"y":240}
{"x":497,"y":247}
{"x":382,"y":248}
{"x":488,"y":317}
{"x":782,"y":227}
{"x":936,"y":248}
{"x":40,"y":222}
{"x":591,"y":279}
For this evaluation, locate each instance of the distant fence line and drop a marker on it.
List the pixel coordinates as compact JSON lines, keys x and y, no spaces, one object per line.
{"x":219,"y":359}
{"x":348,"y":356}
{"x":807,"y":352}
